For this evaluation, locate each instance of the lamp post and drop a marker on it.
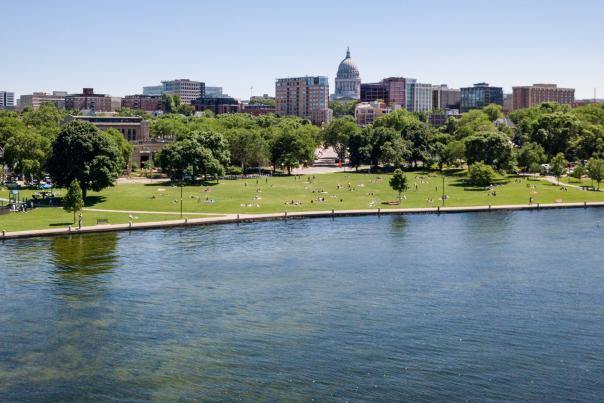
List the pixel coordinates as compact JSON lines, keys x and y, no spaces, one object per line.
{"x":443,"y":196}
{"x":181,"y":186}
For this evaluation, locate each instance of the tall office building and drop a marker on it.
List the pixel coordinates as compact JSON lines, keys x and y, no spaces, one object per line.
{"x":391,"y":90}
{"x":186,"y":89}
{"x":348,"y":80}
{"x":7,"y":99}
{"x":421,"y":97}
{"x":445,"y":98}
{"x":153,"y":90}
{"x":214,"y":92}
{"x":409,"y":88}
{"x":528,"y":96}
{"x":306,"y":97}
{"x":479,"y":96}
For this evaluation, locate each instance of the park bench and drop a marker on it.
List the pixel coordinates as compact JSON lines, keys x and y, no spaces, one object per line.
{"x":102,"y":221}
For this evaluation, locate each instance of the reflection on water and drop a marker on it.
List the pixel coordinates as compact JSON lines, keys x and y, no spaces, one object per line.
{"x":398,"y":223}
{"x":493,"y":306}
{"x":84,"y":254}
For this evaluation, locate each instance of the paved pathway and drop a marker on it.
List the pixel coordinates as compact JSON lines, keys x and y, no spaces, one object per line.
{"x":554,"y":180}
{"x":150,"y":212}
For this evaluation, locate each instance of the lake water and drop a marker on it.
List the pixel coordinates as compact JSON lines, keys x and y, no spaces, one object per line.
{"x":489,"y":306}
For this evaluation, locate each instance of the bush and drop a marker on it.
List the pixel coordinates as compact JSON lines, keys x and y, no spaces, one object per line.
{"x":234,"y":170}
{"x":535,"y":168}
{"x":480,"y":174}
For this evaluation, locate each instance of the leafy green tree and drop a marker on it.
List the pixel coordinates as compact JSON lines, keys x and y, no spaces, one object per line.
{"x":337,"y":133}
{"x":248,"y":148}
{"x":122,"y":144}
{"x":128,"y":112}
{"x":292,"y":148}
{"x":480,"y":174}
{"x":555,"y":131}
{"x":398,"y":182}
{"x":421,"y":140}
{"x":493,"y":148}
{"x":529,"y":154}
{"x":342,"y":108}
{"x":73,"y":200}
{"x":169,"y":126}
{"x":453,"y":152}
{"x":535,"y":168}
{"x":493,"y":111}
{"x":195,"y":154}
{"x":386,"y":147}
{"x":359,"y":148}
{"x":26,"y":153}
{"x":588,"y":143}
{"x":595,"y":169}
{"x":473,"y":122}
{"x":81,"y":152}
{"x":579,"y":172}
{"x":558,"y":166}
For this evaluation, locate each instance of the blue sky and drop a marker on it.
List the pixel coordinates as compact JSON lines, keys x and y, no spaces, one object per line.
{"x":119,"y":46}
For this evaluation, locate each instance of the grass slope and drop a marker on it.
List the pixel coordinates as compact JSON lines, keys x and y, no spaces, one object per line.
{"x":340,"y":191}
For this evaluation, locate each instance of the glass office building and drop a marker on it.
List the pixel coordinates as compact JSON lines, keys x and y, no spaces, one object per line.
{"x":479,"y":96}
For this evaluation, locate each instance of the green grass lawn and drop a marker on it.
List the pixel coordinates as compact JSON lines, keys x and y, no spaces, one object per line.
{"x":339,"y":191}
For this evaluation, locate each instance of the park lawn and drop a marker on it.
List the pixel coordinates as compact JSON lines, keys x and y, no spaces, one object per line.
{"x":366,"y":191}
{"x":275,"y":194}
{"x":583,"y":182}
{"x":56,"y":217}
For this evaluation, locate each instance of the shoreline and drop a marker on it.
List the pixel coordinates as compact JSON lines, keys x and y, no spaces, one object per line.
{"x":239,"y":218}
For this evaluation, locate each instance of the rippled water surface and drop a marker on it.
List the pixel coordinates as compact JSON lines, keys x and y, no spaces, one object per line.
{"x":468,"y":306}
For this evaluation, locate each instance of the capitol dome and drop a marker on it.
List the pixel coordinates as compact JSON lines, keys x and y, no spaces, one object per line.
{"x":347,"y":68}
{"x":348,"y":80}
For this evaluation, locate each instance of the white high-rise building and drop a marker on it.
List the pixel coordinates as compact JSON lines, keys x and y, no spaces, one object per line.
{"x":7,"y":99}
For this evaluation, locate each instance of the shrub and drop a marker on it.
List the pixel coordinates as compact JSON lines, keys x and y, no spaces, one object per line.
{"x":234,"y":170}
{"x":480,"y":174}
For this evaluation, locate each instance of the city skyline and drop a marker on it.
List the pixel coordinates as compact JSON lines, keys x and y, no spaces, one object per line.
{"x":138,"y":46}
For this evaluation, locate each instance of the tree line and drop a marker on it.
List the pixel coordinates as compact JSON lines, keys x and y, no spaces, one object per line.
{"x":35,"y":142}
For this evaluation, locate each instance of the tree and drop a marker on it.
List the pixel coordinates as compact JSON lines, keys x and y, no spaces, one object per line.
{"x":359,"y":148}
{"x":493,"y":111}
{"x":453,"y":152}
{"x":122,"y":144}
{"x":386,"y":147}
{"x":398,"y":182}
{"x":247,"y":148}
{"x":595,"y":169}
{"x":342,"y":108}
{"x":26,"y":153}
{"x":191,"y":156}
{"x":292,"y":148}
{"x":578,"y":172}
{"x":493,"y":148}
{"x":337,"y":134}
{"x":81,"y":152}
{"x":529,"y":154}
{"x":480,"y":174}
{"x":558,"y":166}
{"x":73,"y":200}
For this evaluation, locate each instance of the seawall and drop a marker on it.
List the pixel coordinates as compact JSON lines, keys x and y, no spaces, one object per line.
{"x":239,"y":218}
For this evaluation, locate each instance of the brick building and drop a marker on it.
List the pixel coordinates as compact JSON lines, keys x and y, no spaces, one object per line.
{"x":306,"y":97}
{"x":149,"y":103}
{"x":89,"y":101}
{"x":528,"y":96}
